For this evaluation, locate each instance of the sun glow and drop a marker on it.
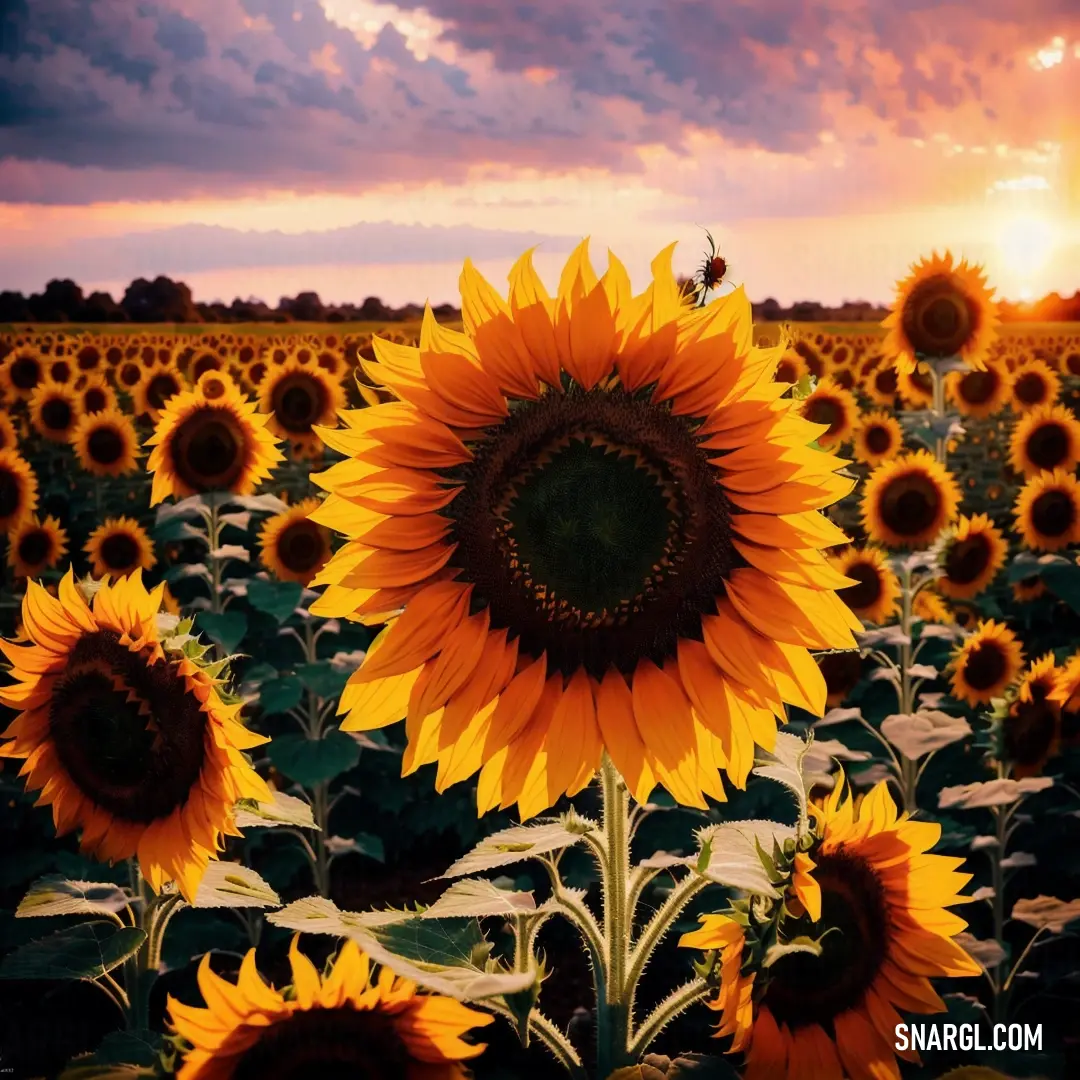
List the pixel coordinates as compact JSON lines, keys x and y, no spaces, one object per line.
{"x":1025,"y":245}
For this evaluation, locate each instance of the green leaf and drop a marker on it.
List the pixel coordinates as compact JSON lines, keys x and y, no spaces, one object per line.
{"x":231,"y":885}
{"x":173,"y":530}
{"x":280,"y":695}
{"x":225,"y":628}
{"x":1063,"y":580}
{"x":269,"y":504}
{"x":56,"y":895}
{"x":317,"y":915}
{"x":136,"y":1048}
{"x":479,"y":898}
{"x":85,"y":951}
{"x":192,"y":933}
{"x":323,"y":679}
{"x":313,"y":761}
{"x":784,"y":765}
{"x":516,"y":844}
{"x":371,"y":846}
{"x":192,"y":507}
{"x":278,"y":599}
{"x":735,"y":854}
{"x":1025,"y":565}
{"x":284,"y":810}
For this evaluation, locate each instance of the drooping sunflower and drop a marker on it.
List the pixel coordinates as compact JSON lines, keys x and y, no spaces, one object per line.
{"x":156,"y":385}
{"x":21,"y":372}
{"x":969,"y":555}
{"x":125,"y":736}
{"x":906,"y":502}
{"x":9,"y":436}
{"x":878,"y":437}
{"x":943,"y":309}
{"x":1034,"y":384}
{"x":18,"y":489}
{"x":986,"y":662}
{"x":118,"y":547}
{"x":1044,"y":439}
{"x":884,"y":927}
{"x":930,"y":607}
{"x":1029,"y":723}
{"x":980,"y":393}
{"x":354,"y":1021}
{"x":54,"y":411}
{"x":599,"y":516}
{"x":791,"y":368}
{"x":299,"y":397}
{"x":106,"y":443}
{"x":292,"y":546}
{"x":1047,"y":511}
{"x":875,"y":592}
{"x":34,"y":546}
{"x":210,"y":439}
{"x":842,"y":672}
{"x":834,"y":407}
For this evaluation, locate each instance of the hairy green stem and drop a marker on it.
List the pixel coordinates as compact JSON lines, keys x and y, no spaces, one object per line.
{"x":675,"y":1003}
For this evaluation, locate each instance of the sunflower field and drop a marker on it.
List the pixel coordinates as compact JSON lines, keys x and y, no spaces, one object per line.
{"x":601,"y":686}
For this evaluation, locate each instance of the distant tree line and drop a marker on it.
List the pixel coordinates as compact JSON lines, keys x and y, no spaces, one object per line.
{"x":166,"y":301}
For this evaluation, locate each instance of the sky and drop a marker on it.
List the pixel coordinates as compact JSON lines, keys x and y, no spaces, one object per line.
{"x":263,"y":147}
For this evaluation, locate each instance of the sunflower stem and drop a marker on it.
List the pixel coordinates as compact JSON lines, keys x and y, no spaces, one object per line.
{"x":675,"y":1003}
{"x":908,"y":768}
{"x":321,"y":813}
{"x":997,"y":883}
{"x":213,"y":536}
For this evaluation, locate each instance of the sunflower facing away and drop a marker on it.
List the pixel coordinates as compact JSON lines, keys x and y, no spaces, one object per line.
{"x":354,"y":1020}
{"x":1044,"y":439}
{"x":980,"y":393}
{"x":885,"y":930}
{"x":906,"y":502}
{"x":1029,"y":725}
{"x":106,"y":443}
{"x":986,"y":663}
{"x":878,"y":438}
{"x":124,"y":736}
{"x":600,"y":517}
{"x":299,"y":397}
{"x":18,"y":489}
{"x":118,"y":547}
{"x":34,"y":546}
{"x":969,"y":555}
{"x":875,"y":592}
{"x":943,"y":309}
{"x":834,"y":407}
{"x":1047,"y":511}
{"x":210,"y":439}
{"x":291,"y":546}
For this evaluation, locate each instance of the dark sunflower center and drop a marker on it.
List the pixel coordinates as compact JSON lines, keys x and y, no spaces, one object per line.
{"x":1053,"y":513}
{"x":119,"y":552}
{"x":1031,"y":727}
{"x":89,"y":358}
{"x":806,"y":989}
{"x":204,"y":363}
{"x":1030,"y":388}
{"x":939,"y":318}
{"x":977,"y":387}
{"x":592,"y":525}
{"x":129,"y":733}
{"x":841,"y":671}
{"x":210,"y":450}
{"x":105,"y":445}
{"x":878,"y":439}
{"x":298,"y":402}
{"x":56,"y":414}
{"x":868,"y":590}
{"x":910,"y":504}
{"x":34,"y":547}
{"x":1048,"y":445}
{"x":967,"y":560}
{"x":160,"y":389}
{"x":130,"y":374}
{"x":10,"y":494}
{"x":256,"y":372}
{"x":94,"y":400}
{"x":886,"y":381}
{"x":300,"y":547}
{"x":785,"y":371}
{"x":824,"y":410}
{"x":331,"y":1044}
{"x":25,"y":372}
{"x":985,"y":666}
{"x":60,"y":371}
{"x":1072,"y":363}
{"x":845,"y":377}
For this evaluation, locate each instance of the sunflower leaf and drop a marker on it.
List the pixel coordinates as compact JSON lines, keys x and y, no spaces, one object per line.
{"x":239,"y":520}
{"x":785,"y":765}
{"x":277,"y":599}
{"x":789,"y":948}
{"x":317,"y":915}
{"x":478,"y":898}
{"x":284,"y":810}
{"x":920,"y":733}
{"x":225,"y":628}
{"x":269,"y":504}
{"x":1063,"y":580}
{"x":192,"y":506}
{"x":279,"y":695}
{"x":172,"y":530}
{"x":518,"y":843}
{"x":314,"y":761}
{"x":231,"y":885}
{"x":323,"y":678}
{"x":231,"y":551}
{"x":185,"y":570}
{"x":85,"y":951}
{"x":56,"y":895}
{"x":131,"y":1049}
{"x":734,"y":854}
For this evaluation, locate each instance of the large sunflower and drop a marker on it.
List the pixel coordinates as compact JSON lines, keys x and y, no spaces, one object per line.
{"x":885,"y":929}
{"x":982,"y":667}
{"x":106,"y":443}
{"x":125,"y":736}
{"x":299,"y":397}
{"x":54,"y":411}
{"x":1033,"y":385}
{"x":118,"y":547}
{"x":980,"y":393}
{"x":970,"y":554}
{"x":599,"y":516}
{"x":34,"y":546}
{"x":1029,"y":725}
{"x":18,"y":489}
{"x":1044,"y":439}
{"x":1047,"y":511}
{"x":943,"y":309}
{"x":348,"y":1022}
{"x":293,"y":547}
{"x":906,"y":502}
{"x":210,"y":439}
{"x":835,"y":408}
{"x":876,"y":588}
{"x":878,"y":437}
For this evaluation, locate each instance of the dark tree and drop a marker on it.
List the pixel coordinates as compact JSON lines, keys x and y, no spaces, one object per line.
{"x":159,"y":301}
